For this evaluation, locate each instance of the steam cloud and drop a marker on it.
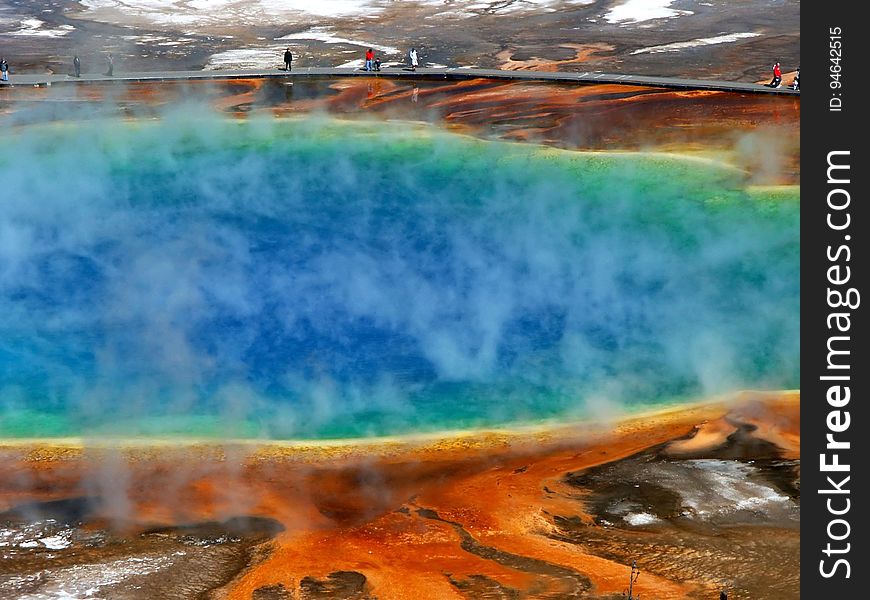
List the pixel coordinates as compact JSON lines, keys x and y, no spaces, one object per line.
{"x":200,"y":276}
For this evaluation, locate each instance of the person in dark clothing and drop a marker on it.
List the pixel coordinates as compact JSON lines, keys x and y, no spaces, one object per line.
{"x":723,"y":595}
{"x":796,"y":84}
{"x":110,"y":63}
{"x":4,"y":70}
{"x":288,"y":59}
{"x":77,"y":66}
{"x":377,"y":64}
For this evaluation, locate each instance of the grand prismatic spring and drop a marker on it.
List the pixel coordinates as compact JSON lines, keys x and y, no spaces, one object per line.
{"x":310,"y":279}
{"x":359,"y":342}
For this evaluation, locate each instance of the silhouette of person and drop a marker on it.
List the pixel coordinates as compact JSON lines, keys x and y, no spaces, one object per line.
{"x":4,"y":70}
{"x":111,"y":65}
{"x":77,"y":66}
{"x":288,"y":59}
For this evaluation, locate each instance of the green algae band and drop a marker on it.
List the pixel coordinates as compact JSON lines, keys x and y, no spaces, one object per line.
{"x":299,"y":279}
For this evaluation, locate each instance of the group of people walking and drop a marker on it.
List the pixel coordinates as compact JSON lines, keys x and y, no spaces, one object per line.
{"x":777,"y":78}
{"x":77,"y":67}
{"x":110,"y":66}
{"x":372,"y":63}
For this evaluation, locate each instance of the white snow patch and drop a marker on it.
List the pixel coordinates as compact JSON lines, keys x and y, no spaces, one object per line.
{"x":270,"y":57}
{"x":451,"y":14}
{"x":34,"y":28}
{"x":57,"y":542}
{"x":322,"y":34}
{"x":640,"y":519}
{"x":82,"y":582}
{"x":202,"y":13}
{"x":459,"y":10}
{"x":502,"y":8}
{"x":157,"y":40}
{"x":676,"y":46}
{"x":727,"y":488}
{"x":637,"y":11}
{"x":144,"y":38}
{"x":35,"y":535}
{"x":221,"y":12}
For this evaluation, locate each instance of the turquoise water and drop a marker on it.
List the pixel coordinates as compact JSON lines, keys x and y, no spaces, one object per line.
{"x":316,"y":279}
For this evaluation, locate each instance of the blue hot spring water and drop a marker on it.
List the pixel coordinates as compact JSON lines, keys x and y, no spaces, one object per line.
{"x":311,"y":279}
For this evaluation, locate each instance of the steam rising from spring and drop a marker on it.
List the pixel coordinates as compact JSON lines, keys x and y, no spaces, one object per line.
{"x":314,"y":278}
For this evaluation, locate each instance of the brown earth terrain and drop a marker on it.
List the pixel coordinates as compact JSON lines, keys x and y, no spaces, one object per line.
{"x":732,"y":40}
{"x":547,"y":513}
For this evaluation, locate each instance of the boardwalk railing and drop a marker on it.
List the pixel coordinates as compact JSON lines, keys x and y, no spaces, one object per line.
{"x":448,"y":73}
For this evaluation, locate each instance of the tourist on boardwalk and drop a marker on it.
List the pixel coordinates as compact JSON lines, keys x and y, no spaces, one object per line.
{"x":288,"y":59}
{"x":796,"y":84}
{"x":412,"y":57}
{"x":110,"y":63}
{"x":377,"y":64}
{"x":370,"y":57}
{"x":777,"y":77}
{"x":77,"y":66}
{"x":4,"y":70}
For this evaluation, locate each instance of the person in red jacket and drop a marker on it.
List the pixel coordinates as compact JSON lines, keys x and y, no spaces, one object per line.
{"x":370,"y":56}
{"x":777,"y":77}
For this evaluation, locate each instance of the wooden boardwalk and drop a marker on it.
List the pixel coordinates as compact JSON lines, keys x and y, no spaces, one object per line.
{"x":449,"y":73}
